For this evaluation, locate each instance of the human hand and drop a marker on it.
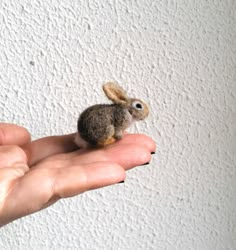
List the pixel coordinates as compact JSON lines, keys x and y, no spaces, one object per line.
{"x":34,"y":175}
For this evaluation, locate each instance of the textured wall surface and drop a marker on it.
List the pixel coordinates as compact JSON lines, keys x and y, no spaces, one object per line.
{"x":178,"y":55}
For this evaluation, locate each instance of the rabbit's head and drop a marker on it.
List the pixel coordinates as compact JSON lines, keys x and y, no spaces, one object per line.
{"x":136,"y":107}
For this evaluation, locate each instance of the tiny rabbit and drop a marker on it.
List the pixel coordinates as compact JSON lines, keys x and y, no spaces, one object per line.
{"x":103,"y":124}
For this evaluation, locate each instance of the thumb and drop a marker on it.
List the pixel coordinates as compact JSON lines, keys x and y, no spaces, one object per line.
{"x":11,"y":134}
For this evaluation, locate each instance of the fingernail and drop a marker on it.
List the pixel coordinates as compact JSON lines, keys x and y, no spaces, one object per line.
{"x":121,"y":182}
{"x":145,"y":164}
{"x":152,"y":153}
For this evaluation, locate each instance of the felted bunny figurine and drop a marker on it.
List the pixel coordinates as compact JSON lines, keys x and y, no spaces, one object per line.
{"x":103,"y":124}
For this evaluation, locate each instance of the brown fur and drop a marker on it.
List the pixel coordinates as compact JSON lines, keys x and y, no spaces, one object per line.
{"x":102,"y":121}
{"x":103,"y":124}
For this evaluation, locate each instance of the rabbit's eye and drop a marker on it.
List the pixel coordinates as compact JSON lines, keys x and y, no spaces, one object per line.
{"x":137,"y":105}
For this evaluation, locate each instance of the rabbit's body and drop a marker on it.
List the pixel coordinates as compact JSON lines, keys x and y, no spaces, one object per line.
{"x":103,"y":124}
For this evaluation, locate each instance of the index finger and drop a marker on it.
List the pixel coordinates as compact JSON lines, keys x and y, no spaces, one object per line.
{"x":44,"y":147}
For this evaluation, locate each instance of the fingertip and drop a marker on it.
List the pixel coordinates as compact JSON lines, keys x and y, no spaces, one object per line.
{"x":142,"y":139}
{"x":145,"y":156}
{"x":129,"y":155}
{"x":117,"y":171}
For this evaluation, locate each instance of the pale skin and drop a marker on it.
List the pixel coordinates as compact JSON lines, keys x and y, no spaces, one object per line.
{"x":36,"y":174}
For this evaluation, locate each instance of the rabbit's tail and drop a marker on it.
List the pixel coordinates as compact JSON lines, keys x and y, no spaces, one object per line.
{"x":81,"y":143}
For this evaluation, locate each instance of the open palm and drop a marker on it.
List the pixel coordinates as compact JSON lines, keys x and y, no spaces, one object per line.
{"x":34,"y":175}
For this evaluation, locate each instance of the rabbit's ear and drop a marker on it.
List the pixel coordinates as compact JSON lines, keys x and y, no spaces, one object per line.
{"x":115,"y":93}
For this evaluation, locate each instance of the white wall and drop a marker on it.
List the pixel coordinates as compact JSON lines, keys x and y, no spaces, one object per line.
{"x":178,"y":55}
